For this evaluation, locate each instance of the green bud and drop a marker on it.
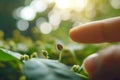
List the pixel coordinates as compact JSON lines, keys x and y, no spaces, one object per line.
{"x":45,"y":53}
{"x":26,"y":57}
{"x":22,"y":58}
{"x":77,"y":68}
{"x":34,"y":55}
{"x":60,"y":48}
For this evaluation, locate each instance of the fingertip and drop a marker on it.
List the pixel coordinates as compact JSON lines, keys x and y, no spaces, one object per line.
{"x":73,"y":34}
{"x":90,"y":64}
{"x":87,"y":33}
{"x":97,"y":32}
{"x":78,"y":34}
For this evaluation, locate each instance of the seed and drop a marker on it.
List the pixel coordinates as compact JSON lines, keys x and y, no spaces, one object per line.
{"x":22,"y":58}
{"x":77,"y":68}
{"x":34,"y":55}
{"x":59,"y":47}
{"x":26,"y":57}
{"x":45,"y":53}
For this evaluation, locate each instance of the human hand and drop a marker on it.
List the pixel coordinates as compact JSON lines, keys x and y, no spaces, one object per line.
{"x":105,"y":64}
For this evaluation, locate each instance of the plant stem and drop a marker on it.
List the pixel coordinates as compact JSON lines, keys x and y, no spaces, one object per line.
{"x":60,"y":56}
{"x":83,"y":76}
{"x":81,"y":69}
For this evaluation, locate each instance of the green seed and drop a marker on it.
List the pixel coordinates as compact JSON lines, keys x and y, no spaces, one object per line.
{"x":26,"y":57}
{"x":45,"y":53}
{"x":22,"y":58}
{"x":34,"y":55}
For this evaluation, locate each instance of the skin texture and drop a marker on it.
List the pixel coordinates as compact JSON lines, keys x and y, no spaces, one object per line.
{"x":97,"y":32}
{"x":105,"y":64}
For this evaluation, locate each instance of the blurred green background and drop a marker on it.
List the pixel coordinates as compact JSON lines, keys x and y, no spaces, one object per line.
{"x":30,"y":26}
{"x":52,"y":17}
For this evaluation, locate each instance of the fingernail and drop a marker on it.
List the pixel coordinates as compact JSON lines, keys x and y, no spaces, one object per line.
{"x":90,"y":64}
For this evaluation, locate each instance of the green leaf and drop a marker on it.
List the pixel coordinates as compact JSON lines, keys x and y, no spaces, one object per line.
{"x":6,"y":55}
{"x":46,"y":69}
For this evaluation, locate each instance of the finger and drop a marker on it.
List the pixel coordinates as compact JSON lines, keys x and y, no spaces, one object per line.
{"x":105,"y":65}
{"x":90,"y":64}
{"x":96,"y":32}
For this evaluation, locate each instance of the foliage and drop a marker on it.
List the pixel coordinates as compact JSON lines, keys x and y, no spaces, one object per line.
{"x":16,"y":53}
{"x":18,"y":64}
{"x":48,"y":70}
{"x":35,"y":68}
{"x":18,"y":48}
{"x":10,"y":66}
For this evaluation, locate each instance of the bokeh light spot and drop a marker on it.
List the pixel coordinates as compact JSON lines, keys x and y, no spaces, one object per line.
{"x":39,"y":5}
{"x":27,"y":13}
{"x":51,"y":1}
{"x":80,"y":5}
{"x":65,"y":15}
{"x":63,"y":4}
{"x":40,"y":20}
{"x":115,"y":4}
{"x":22,"y":25}
{"x":55,"y":19}
{"x":45,"y":28}
{"x":16,"y":12}
{"x":90,"y":12}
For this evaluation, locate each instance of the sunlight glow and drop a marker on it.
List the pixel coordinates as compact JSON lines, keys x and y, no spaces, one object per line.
{"x":90,"y":13}
{"x":77,"y":5}
{"x":55,"y":19}
{"x":39,"y":5}
{"x":45,"y":28}
{"x":28,"y":13}
{"x":63,"y":4}
{"x":65,"y":15}
{"x":57,"y":11}
{"x":80,"y":5}
{"x":51,"y":1}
